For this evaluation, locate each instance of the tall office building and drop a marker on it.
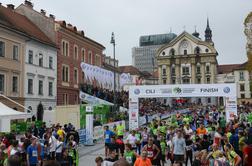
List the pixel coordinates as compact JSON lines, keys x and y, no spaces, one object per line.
{"x":143,"y":57}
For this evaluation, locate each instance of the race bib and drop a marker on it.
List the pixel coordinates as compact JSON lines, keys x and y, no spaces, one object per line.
{"x":150,"y":154}
{"x":34,"y":153}
{"x":129,"y":159}
{"x":107,"y":136}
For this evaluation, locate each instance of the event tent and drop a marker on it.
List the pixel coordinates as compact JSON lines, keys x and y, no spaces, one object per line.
{"x":9,"y":113}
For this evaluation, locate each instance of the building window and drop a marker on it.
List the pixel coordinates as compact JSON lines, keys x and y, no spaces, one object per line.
{"x":41,"y":60}
{"x":186,"y":81}
{"x":65,"y":98}
{"x":90,"y":57}
{"x":243,"y":96}
{"x":208,"y":80}
{"x":164,"y":81}
{"x":173,"y":81}
{"x":83,"y":55}
{"x":172,"y":52}
{"x":76,"y":76}
{"x":2,"y":49}
{"x":164,"y":71}
{"x":173,"y":72}
{"x":241,"y":76}
{"x":1,"y":83}
{"x":50,"y":89}
{"x":198,"y":69}
{"x":207,"y":69}
{"x":185,"y":70}
{"x":50,"y":62}
{"x":209,"y":100}
{"x":75,"y":52}
{"x":206,"y":50}
{"x":30,"y":57}
{"x":40,"y":91}
{"x":65,"y":74}
{"x":65,"y":48}
{"x":30,"y":86}
{"x":15,"y":52}
{"x":98,"y":61}
{"x":197,"y":50}
{"x":242,"y":87}
{"x":15,"y":84}
{"x":198,"y":80}
{"x":185,"y":52}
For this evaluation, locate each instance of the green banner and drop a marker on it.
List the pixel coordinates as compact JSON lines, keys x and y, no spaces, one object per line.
{"x":82,"y":116}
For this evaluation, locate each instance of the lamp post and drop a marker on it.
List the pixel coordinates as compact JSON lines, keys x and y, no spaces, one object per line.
{"x":112,"y":41}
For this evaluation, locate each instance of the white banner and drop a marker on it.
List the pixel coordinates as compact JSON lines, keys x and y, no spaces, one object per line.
{"x":181,"y":90}
{"x":104,"y":77}
{"x":184,"y":90}
{"x":89,"y":125}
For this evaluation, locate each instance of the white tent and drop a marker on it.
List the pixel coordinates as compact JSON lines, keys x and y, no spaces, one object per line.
{"x":6,"y":114}
{"x":9,"y":113}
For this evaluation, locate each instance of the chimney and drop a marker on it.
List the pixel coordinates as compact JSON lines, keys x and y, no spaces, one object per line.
{"x":28,"y":3}
{"x":52,"y":16}
{"x":42,"y":11}
{"x":10,"y":6}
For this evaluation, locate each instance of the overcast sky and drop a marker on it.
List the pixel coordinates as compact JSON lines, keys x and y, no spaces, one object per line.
{"x":130,"y":19}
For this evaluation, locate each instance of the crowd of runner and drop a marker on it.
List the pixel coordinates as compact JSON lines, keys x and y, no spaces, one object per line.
{"x":44,"y":146}
{"x":201,"y":137}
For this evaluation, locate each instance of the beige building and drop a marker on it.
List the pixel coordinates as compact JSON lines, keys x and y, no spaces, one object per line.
{"x":188,"y":60}
{"x":248,"y":33}
{"x":15,"y":32}
{"x":12,"y":49}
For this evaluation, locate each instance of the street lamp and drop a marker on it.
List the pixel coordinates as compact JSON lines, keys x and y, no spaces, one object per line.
{"x":112,"y":41}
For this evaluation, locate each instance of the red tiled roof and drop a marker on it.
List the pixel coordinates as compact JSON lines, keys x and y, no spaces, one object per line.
{"x":16,"y":21}
{"x":230,"y":68}
{"x":129,"y":69}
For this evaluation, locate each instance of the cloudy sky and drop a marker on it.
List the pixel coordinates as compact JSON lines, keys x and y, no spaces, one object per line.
{"x":130,"y":19}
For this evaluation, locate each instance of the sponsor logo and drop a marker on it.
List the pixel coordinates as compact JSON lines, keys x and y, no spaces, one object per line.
{"x":226,"y":90}
{"x":137,"y":91}
{"x":148,"y":91}
{"x":177,"y":90}
{"x":209,"y":90}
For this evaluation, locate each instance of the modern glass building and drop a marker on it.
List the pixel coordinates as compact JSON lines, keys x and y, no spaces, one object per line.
{"x":143,"y":57}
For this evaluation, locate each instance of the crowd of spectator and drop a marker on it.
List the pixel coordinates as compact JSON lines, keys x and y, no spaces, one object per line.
{"x":44,"y":146}
{"x":121,"y":97}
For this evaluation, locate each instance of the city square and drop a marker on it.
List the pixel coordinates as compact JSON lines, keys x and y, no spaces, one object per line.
{"x":125,"y":83}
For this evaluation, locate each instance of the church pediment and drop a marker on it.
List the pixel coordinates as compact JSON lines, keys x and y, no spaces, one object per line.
{"x":186,"y":44}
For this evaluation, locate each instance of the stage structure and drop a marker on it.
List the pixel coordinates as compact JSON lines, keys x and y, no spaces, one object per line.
{"x":227,"y":91}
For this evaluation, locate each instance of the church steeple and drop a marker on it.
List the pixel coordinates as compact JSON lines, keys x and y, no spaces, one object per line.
{"x":208,"y":33}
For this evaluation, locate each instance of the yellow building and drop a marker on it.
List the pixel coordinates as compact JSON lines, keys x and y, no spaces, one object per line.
{"x":188,"y":59}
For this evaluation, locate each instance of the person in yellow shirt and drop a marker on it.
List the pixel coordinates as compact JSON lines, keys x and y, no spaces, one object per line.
{"x":61,"y":132}
{"x":120,"y":130}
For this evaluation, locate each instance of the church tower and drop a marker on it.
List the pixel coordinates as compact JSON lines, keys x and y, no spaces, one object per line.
{"x":208,"y":33}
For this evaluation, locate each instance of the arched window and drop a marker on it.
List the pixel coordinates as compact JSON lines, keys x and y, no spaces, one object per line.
{"x":172,"y":52}
{"x":50,"y":108}
{"x":197,"y":50}
{"x":30,"y":109}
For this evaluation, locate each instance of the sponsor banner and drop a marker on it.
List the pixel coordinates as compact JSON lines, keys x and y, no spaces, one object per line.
{"x":98,"y":132}
{"x":231,"y":108}
{"x":179,"y":90}
{"x":92,"y":100}
{"x":82,"y":136}
{"x":183,"y":90}
{"x":89,"y":125}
